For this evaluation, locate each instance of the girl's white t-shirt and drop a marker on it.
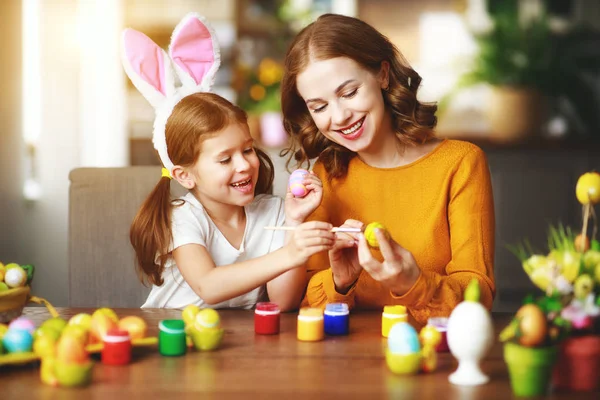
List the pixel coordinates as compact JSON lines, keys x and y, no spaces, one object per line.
{"x":191,"y":224}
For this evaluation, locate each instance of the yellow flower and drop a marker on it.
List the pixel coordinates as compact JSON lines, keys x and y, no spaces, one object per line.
{"x":257,"y":92}
{"x":269,"y":72}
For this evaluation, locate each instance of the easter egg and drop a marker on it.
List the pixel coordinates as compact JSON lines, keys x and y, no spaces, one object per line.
{"x":102,"y":322}
{"x":108,"y":312}
{"x":189,"y":314}
{"x":532,"y":325}
{"x":70,"y":349}
{"x":430,"y":336}
{"x":370,"y":233}
{"x":77,"y":332}
{"x":15,"y":277}
{"x":82,"y":319}
{"x":295,"y":184}
{"x":3,"y":330}
{"x":134,"y":325}
{"x":403,"y":339}
{"x":207,"y":318}
{"x":56,"y":323}
{"x":588,"y":188}
{"x":3,"y":287}
{"x":45,"y":346}
{"x":17,"y":341}
{"x":23,"y":324}
{"x":46,"y":331}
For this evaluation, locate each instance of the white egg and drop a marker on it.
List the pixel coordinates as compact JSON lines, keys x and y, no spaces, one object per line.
{"x":15,"y":277}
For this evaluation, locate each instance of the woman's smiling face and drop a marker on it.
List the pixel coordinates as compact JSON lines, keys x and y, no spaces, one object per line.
{"x":345,"y":101}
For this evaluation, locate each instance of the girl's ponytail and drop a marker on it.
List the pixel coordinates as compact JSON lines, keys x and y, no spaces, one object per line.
{"x":150,"y":233}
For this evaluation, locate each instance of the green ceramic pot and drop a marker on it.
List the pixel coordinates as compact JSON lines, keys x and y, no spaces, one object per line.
{"x":530,"y":368}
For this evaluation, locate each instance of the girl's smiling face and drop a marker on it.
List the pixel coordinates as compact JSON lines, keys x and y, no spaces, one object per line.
{"x":227,"y":168}
{"x":345,"y":101}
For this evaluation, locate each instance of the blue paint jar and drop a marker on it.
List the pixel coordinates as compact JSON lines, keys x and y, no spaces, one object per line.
{"x":337,"y":319}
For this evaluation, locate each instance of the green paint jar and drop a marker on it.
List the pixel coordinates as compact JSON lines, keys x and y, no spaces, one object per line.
{"x":171,"y":337}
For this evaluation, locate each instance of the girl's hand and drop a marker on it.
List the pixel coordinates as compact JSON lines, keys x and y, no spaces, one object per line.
{"x":297,"y":209}
{"x":398,"y":271}
{"x":308,"y":239}
{"x":343,"y":258}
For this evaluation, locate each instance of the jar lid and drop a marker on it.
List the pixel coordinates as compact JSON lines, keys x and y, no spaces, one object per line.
{"x":116,"y":335}
{"x":267,"y":308}
{"x":334,"y":309}
{"x":310,"y":314}
{"x":174,"y":326}
{"x":394,"y":310}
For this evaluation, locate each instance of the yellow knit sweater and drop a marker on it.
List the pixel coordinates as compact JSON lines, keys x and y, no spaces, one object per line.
{"x":439,"y":207}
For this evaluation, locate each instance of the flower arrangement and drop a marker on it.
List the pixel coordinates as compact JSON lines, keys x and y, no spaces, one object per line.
{"x":567,"y":313}
{"x":259,"y":87}
{"x":570,"y":273}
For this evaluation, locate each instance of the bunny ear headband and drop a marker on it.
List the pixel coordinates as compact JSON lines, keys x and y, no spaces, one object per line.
{"x":193,"y":55}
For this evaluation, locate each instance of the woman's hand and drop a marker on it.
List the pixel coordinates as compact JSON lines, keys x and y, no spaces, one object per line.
{"x":343,"y":258}
{"x":307,"y":239}
{"x":398,"y":271}
{"x":297,"y":209}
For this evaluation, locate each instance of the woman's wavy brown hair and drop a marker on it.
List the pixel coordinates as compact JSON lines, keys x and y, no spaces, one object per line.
{"x":195,"y":118}
{"x":332,"y":36}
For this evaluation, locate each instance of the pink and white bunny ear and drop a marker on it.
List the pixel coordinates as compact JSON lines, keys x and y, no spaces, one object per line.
{"x":195,"y":53}
{"x":148,"y":66}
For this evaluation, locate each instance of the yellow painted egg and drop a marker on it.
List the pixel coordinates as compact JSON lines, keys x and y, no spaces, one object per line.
{"x":370,"y":233}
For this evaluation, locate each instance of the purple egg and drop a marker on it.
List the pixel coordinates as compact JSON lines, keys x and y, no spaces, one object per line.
{"x":295,"y":183}
{"x":23,"y":324}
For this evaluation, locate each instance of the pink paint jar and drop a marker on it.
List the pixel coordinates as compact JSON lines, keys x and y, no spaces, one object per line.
{"x":266,"y":319}
{"x":441,"y":325}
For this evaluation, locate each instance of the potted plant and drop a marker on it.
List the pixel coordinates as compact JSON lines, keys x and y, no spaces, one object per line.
{"x":527,"y":63}
{"x":531,"y":345}
{"x":570,"y":276}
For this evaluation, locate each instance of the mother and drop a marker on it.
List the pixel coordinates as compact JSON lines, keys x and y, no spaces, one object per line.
{"x":350,"y":99}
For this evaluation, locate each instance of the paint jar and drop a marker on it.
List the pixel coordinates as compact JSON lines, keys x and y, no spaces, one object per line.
{"x":171,"y":337}
{"x":266,"y":319}
{"x":441,"y":325}
{"x":116,"y":348}
{"x":337,"y":319}
{"x":390,"y":316}
{"x":310,"y":324}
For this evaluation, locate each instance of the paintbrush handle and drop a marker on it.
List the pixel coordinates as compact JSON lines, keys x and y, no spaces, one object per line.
{"x":291,"y":228}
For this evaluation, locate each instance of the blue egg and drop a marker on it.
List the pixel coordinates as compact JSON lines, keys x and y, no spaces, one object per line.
{"x":403,"y":339}
{"x":17,"y":341}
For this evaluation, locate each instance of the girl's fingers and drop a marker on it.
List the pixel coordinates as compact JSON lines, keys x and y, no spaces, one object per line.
{"x":365,"y":258}
{"x":343,"y":243}
{"x":353,"y":223}
{"x":312,"y":180}
{"x":316,"y":241}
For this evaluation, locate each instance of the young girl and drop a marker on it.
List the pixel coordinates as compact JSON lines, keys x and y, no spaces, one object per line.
{"x":350,"y":98}
{"x":209,"y":247}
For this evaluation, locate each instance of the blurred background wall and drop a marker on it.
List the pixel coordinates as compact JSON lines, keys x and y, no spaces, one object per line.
{"x":65,"y":101}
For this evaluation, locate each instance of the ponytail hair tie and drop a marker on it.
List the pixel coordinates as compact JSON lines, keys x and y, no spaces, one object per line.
{"x":166,"y":174}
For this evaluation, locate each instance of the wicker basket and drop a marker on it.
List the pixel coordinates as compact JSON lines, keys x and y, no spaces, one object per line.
{"x":13,"y":301}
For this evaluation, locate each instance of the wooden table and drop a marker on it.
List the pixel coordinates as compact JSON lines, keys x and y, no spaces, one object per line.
{"x":252,"y":366}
